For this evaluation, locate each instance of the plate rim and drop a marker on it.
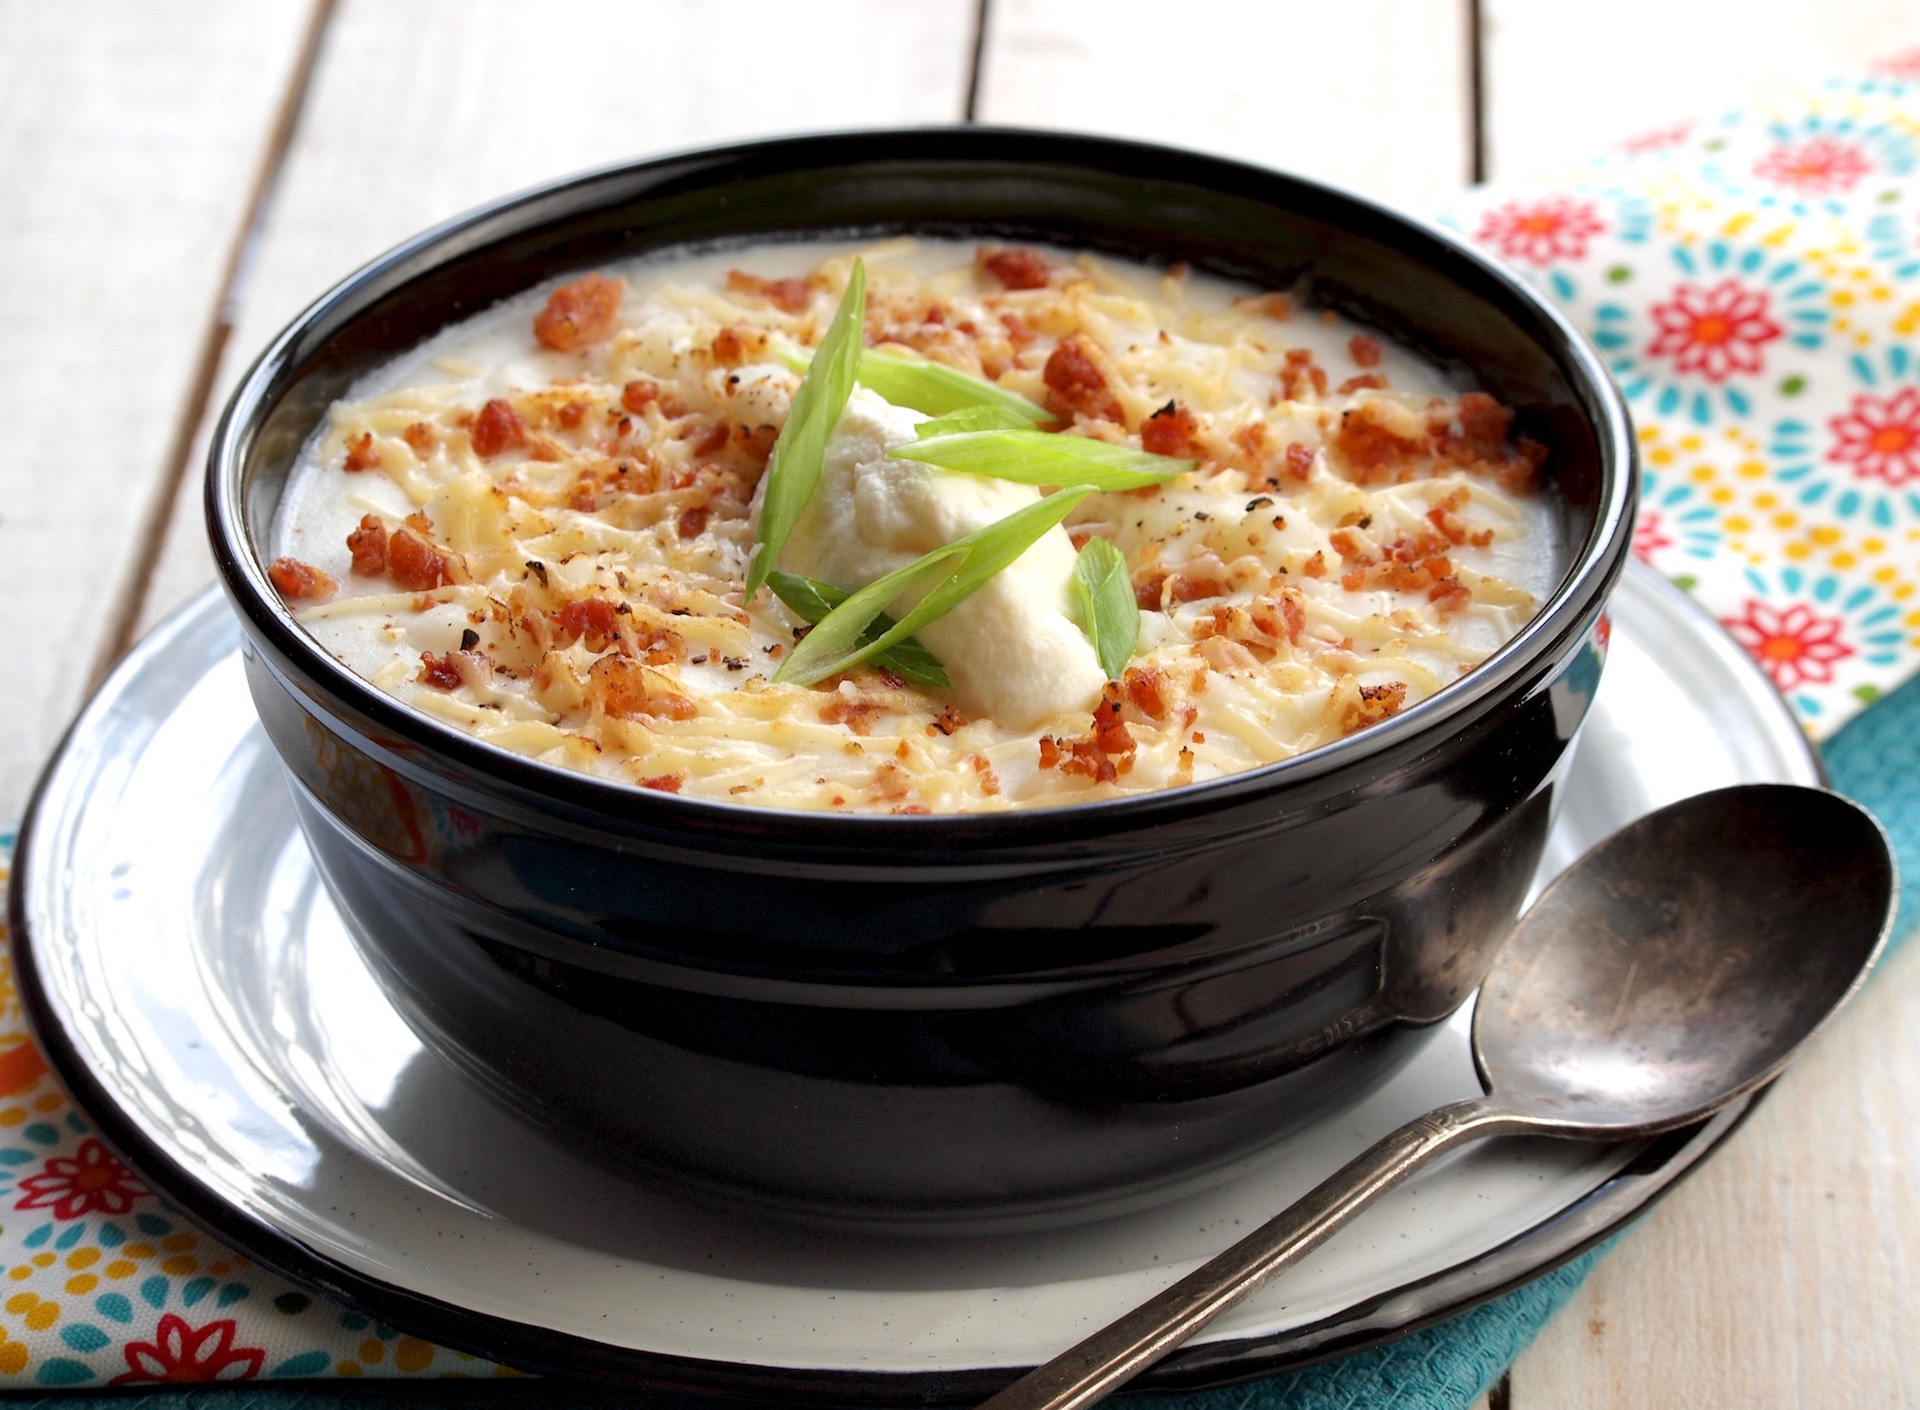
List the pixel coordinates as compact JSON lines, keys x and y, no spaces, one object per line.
{"x":1603,"y":1211}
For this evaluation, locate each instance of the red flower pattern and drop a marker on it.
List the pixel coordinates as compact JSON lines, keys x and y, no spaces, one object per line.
{"x":1796,"y":644}
{"x":1820,"y":166}
{"x":1905,"y":64}
{"x":1658,"y":139}
{"x":1649,"y":535}
{"x":1715,"y":332}
{"x":1539,"y":232}
{"x":90,"y":1179}
{"x":1879,"y":437}
{"x":182,"y":1353}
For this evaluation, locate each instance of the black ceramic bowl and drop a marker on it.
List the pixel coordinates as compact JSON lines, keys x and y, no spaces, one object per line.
{"x":1032,"y":1014}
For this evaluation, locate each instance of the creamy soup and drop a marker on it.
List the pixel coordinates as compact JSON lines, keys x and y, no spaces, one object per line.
{"x":537,"y":528}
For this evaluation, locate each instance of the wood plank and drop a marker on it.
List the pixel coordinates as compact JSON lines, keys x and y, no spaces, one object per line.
{"x":1369,"y":94}
{"x":1564,"y":81}
{"x":1787,"y":1272}
{"x":132,"y":137}
{"x":423,"y":108}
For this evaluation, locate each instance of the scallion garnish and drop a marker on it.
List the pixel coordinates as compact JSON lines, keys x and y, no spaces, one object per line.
{"x":973,"y":418}
{"x":798,"y":453}
{"x":814,"y":601}
{"x":1044,"y":458}
{"x":921,"y":384}
{"x":1107,"y":602}
{"x":838,"y":641}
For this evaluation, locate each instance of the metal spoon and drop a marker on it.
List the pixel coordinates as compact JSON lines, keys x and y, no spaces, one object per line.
{"x":1676,"y":966}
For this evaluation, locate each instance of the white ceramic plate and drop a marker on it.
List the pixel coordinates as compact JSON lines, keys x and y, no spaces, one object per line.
{"x":198,"y":992}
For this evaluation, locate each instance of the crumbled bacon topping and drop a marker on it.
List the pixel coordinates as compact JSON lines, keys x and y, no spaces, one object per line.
{"x":1365,"y":350}
{"x":1146,"y":689}
{"x":299,"y":582}
{"x":1302,"y":375}
{"x":619,"y":686}
{"x":498,"y":429}
{"x":664,"y":783}
{"x":413,"y":561}
{"x":787,"y":295}
{"x":580,"y":313}
{"x":1373,"y":704}
{"x":1103,"y":753}
{"x":1016,"y":268}
{"x":737,"y":343}
{"x":639,"y":394}
{"x":1171,"y":431}
{"x":596,"y":620}
{"x":1078,"y":378}
{"x":368,"y":545}
{"x":442,"y":670}
{"x":692,"y":521}
{"x":421,"y":438}
{"x":361,"y":455}
{"x":949,"y":720}
{"x":1299,"y":461}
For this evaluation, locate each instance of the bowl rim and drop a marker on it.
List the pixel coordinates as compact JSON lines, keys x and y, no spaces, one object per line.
{"x":1591,"y":571}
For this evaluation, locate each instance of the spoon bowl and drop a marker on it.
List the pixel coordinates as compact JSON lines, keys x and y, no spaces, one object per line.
{"x":1675,"y":967}
{"x":1681,"y":962}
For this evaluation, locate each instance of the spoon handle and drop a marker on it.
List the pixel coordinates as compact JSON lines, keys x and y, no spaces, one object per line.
{"x":1118,"y":1352}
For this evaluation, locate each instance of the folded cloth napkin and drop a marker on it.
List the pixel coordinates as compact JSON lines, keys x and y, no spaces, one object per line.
{"x":1754,"y":281}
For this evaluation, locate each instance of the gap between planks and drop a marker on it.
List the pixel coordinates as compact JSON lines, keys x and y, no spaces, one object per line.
{"x":220,"y":325}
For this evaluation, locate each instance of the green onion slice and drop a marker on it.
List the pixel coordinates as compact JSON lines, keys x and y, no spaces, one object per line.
{"x":813,"y":600}
{"x":973,"y":418}
{"x":838,"y":640}
{"x":1044,"y":458}
{"x":798,"y":453}
{"x":1107,"y":602}
{"x":920,"y":384}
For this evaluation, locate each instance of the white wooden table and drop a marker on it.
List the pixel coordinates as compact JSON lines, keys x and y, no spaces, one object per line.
{"x":177,"y":179}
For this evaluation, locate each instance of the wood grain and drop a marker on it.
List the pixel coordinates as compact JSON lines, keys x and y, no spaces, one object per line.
{"x":423,"y":108}
{"x":132,"y":139}
{"x":1369,"y":94}
{"x":1564,"y":81}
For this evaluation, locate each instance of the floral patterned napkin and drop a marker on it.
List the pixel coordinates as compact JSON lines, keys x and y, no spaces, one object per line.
{"x":1754,"y":281}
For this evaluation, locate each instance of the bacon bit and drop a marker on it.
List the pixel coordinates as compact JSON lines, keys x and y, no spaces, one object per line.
{"x":1366,"y":381}
{"x":579,"y":313}
{"x":661,"y":646}
{"x":912,"y":810}
{"x":1278,"y":307}
{"x":890,"y":782}
{"x":1146,"y":689}
{"x":1076,"y":375}
{"x":497,"y":428}
{"x":1370,"y":446}
{"x":421,"y":438}
{"x":1103,"y":753}
{"x":715,"y":439}
{"x":1015,"y":268}
{"x":298,"y":581}
{"x":693,"y":520}
{"x":572,"y":414}
{"x":1365,"y":350}
{"x":441,"y":670}
{"x":663,"y":783}
{"x":1301,"y":373}
{"x":1450,"y":595}
{"x":361,"y":455}
{"x":620,"y":687}
{"x":1316,"y":566}
{"x":1182,"y":774}
{"x":787,"y":295}
{"x":597,"y":619}
{"x":989,"y":780}
{"x":1375,"y":703}
{"x":855,"y":712}
{"x":1299,"y":461}
{"x":415,"y":563}
{"x":639,"y":394}
{"x":738,"y":343}
{"x":1149,"y":590}
{"x":1348,"y":547}
{"x":756,"y":443}
{"x":1017,"y":331}
{"x":1442,"y":517}
{"x":368,"y":545}
{"x":1170,"y":431}
{"x":950,"y":720}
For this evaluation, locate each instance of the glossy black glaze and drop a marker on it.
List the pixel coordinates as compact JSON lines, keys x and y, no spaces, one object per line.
{"x":1023,"y":1014}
